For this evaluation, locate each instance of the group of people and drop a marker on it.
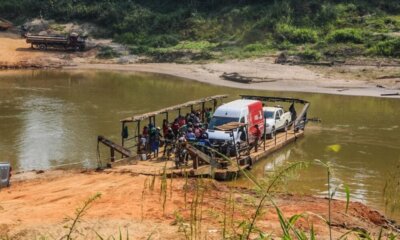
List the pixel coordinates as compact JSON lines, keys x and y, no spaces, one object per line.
{"x":175,"y":135}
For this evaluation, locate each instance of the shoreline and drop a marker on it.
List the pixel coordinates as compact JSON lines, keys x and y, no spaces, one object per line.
{"x":299,"y":78}
{"x":128,"y":201}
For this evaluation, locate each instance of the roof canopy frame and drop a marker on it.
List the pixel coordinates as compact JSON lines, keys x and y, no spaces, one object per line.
{"x":172,"y":108}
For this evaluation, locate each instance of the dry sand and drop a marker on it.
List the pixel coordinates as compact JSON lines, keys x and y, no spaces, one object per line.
{"x":39,"y":206}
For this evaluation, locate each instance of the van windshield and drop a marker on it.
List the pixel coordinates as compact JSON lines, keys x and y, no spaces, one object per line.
{"x":218,"y":121}
{"x":268,"y":114}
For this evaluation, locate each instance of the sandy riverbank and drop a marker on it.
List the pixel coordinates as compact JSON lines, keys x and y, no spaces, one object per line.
{"x":344,"y":80}
{"x":279,"y":77}
{"x":37,"y":205}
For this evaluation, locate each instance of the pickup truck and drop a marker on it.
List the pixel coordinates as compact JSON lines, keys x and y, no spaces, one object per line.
{"x":276,"y":120}
{"x":5,"y":174}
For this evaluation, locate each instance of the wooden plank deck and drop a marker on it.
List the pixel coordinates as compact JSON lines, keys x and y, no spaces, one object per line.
{"x":157,"y":166}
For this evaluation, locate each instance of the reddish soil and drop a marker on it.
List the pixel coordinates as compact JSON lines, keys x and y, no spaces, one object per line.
{"x":38,"y":207}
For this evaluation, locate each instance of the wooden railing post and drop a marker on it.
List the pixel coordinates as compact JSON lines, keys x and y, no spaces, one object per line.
{"x":265,"y":135}
{"x":112,"y":153}
{"x":195,"y":162}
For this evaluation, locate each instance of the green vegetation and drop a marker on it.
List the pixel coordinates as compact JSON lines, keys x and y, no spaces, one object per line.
{"x":296,"y":35}
{"x":388,"y":48}
{"x":171,"y":30}
{"x":106,"y":52}
{"x":346,"y":35}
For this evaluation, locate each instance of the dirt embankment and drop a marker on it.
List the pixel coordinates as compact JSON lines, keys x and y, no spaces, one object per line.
{"x":135,"y":204}
{"x":15,"y":53}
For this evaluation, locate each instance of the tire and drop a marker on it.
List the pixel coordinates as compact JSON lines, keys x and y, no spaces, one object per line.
{"x":42,"y":46}
{"x":272,"y":134}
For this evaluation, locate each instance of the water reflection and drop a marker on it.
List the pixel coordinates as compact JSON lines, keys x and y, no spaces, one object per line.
{"x":41,"y":140}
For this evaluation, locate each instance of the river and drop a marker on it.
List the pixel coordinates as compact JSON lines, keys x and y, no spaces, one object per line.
{"x":52,"y":118}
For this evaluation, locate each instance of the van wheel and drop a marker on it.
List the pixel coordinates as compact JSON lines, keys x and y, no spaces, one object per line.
{"x":42,"y":46}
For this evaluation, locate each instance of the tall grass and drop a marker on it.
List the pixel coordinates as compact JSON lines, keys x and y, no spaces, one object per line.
{"x":163,"y":189}
{"x":79,"y":213}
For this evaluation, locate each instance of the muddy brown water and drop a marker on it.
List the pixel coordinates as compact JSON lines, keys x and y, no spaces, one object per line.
{"x":50,"y":119}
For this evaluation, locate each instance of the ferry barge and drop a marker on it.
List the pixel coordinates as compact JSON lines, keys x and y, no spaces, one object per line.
{"x":238,"y":134}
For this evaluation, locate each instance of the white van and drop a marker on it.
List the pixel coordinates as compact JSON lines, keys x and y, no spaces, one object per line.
{"x":5,"y":174}
{"x":244,"y":111}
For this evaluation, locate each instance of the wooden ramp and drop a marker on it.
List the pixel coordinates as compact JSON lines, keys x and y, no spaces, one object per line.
{"x":114,"y":147}
{"x":196,"y":153}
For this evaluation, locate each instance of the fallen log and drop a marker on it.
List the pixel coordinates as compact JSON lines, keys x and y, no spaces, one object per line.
{"x":236,"y":77}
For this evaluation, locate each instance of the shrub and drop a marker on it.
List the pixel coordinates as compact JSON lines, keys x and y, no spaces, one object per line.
{"x":107,"y":52}
{"x":309,"y":55}
{"x":127,"y":38}
{"x":139,"y":50}
{"x":285,"y":45}
{"x":256,"y":47}
{"x":156,"y":41}
{"x":161,"y":41}
{"x":343,"y":50}
{"x":195,"y":45}
{"x":346,"y":35}
{"x":388,"y":48}
{"x":296,"y":35}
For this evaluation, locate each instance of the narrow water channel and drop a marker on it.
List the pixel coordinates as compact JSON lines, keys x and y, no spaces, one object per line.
{"x":52,"y":118}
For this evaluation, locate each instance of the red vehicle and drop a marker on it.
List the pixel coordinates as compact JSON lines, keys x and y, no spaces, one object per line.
{"x":245,"y":111}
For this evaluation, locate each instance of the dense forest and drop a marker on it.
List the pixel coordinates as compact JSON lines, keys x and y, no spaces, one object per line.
{"x":312,"y":29}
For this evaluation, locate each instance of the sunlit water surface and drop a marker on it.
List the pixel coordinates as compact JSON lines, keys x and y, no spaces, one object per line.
{"x":52,"y":118}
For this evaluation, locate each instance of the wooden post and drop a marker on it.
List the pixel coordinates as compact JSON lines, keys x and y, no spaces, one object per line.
{"x":265,"y":135}
{"x":191,"y":108}
{"x":215,"y":104}
{"x":112,"y":153}
{"x":122,"y":137}
{"x":179,"y":111}
{"x":202,"y":111}
{"x":122,"y":134}
{"x":166,"y":116}
{"x":294,"y":129}
{"x":275,"y":137}
{"x":195,"y":162}
{"x":248,"y":137}
{"x":139,"y":133}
